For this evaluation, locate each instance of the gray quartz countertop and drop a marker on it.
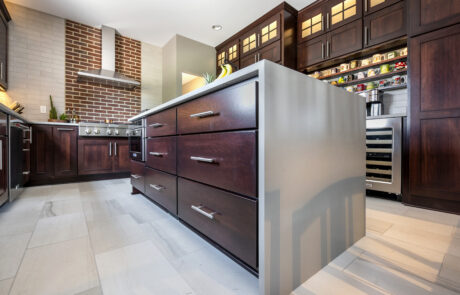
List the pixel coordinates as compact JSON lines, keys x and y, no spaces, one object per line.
{"x":54,"y":123}
{"x":7,"y":110}
{"x":386,"y":116}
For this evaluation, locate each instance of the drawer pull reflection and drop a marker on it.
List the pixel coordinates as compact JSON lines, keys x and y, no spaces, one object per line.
{"x":204,"y":114}
{"x":200,"y":210}
{"x":156,"y":187}
{"x":135,"y":176}
{"x":201,"y":159}
{"x":156,"y":125}
{"x":157,"y":154}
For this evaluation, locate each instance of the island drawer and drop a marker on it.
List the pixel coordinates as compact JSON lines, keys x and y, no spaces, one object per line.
{"x":162,"y":124}
{"x":162,"y":188}
{"x":226,"y":160}
{"x":137,"y":175}
{"x":229,"y":109}
{"x":227,"y":219}
{"x":161,"y":153}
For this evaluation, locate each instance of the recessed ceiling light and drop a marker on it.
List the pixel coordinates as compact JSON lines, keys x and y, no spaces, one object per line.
{"x":216,"y":27}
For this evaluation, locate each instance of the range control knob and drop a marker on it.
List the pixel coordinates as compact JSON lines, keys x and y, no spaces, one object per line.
{"x":96,"y":131}
{"x":87,"y":131}
{"x":127,"y":132}
{"x":109,"y":132}
{"x":117,"y":132}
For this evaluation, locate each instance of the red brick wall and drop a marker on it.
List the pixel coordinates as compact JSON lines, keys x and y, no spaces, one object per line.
{"x":92,"y":101}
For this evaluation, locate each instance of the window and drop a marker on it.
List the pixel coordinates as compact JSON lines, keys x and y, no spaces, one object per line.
{"x":249,"y":43}
{"x":343,"y":10}
{"x":312,"y":25}
{"x":374,"y":3}
{"x":233,"y":52}
{"x":269,"y":32}
{"x":220,"y":59}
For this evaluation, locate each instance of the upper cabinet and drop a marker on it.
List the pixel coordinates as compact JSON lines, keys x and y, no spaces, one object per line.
{"x":371,"y":6}
{"x":341,"y":12}
{"x":4,"y":19}
{"x":311,"y":22}
{"x":385,"y":25}
{"x":429,"y":15}
{"x":271,"y":37}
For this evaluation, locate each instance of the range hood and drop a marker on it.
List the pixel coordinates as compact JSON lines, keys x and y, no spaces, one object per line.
{"x":107,"y":74}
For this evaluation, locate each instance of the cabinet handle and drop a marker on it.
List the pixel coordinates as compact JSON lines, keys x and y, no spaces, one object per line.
{"x":365,"y":35}
{"x":156,"y":125}
{"x":202,"y":212}
{"x":327,"y":48}
{"x":110,"y":149}
{"x":157,"y":154}
{"x":365,"y":5}
{"x":26,"y":172}
{"x":258,"y":40}
{"x":156,"y":187}
{"x":327,"y":19}
{"x":65,"y":129}
{"x":30,"y":134}
{"x":203,"y":114}
{"x":115,"y":145}
{"x":135,"y":176}
{"x":1,"y":70}
{"x":322,"y":24}
{"x":201,"y":159}
{"x":1,"y":155}
{"x":255,"y":58}
{"x":26,"y":150}
{"x":322,"y":50}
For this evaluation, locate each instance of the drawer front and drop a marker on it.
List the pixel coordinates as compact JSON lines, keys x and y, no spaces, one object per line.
{"x":228,"y":219}
{"x":226,"y":160}
{"x":161,"y":153}
{"x":137,"y":175}
{"x":162,"y":124}
{"x":162,"y":188}
{"x":231,"y":108}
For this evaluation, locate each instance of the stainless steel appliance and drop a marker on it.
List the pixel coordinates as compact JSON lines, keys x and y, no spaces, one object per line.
{"x":103,"y":130}
{"x":383,"y":155}
{"x":18,"y":133}
{"x":137,"y":143}
{"x":3,"y":158}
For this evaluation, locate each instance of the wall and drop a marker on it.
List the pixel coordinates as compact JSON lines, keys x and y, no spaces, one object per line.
{"x":192,"y":85}
{"x":95,"y":102}
{"x":184,"y":55}
{"x":151,"y":75}
{"x":36,"y":60}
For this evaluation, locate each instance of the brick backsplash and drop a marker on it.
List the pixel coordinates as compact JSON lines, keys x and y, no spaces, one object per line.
{"x":95,"y":102}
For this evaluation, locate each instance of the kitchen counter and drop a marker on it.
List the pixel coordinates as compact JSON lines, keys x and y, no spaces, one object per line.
{"x":288,"y":146}
{"x":386,"y":116}
{"x":54,"y":123}
{"x":7,"y":110}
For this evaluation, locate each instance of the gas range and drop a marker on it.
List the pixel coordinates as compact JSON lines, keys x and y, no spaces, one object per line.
{"x":103,"y":130}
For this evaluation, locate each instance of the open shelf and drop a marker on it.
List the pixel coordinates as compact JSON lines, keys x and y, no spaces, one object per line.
{"x":373,"y":78}
{"x":399,"y":58}
{"x":387,"y":88}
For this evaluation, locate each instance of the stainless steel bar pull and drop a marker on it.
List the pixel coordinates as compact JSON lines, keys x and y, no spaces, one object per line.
{"x":110,"y":149}
{"x":156,"y":187}
{"x":156,"y":125}
{"x":26,"y":172}
{"x":156,"y":154}
{"x":203,"y":114}
{"x":135,"y":176}
{"x":115,"y":148}
{"x":65,"y":129}
{"x":202,"y":212}
{"x":201,"y":159}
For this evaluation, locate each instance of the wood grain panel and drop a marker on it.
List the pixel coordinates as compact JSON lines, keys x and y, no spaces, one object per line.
{"x":42,"y":160}
{"x":121,"y":155}
{"x":385,"y":25}
{"x":94,"y":156}
{"x":429,"y":15}
{"x":65,"y":151}
{"x":162,"y":124}
{"x":161,"y":153}
{"x":138,"y":175}
{"x":162,"y":188}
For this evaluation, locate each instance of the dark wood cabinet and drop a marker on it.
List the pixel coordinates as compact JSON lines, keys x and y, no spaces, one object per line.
{"x":257,"y":41}
{"x":342,"y":12}
{"x":42,"y":156}
{"x":3,"y":169}
{"x":429,"y":15}
{"x":344,"y":40}
{"x":162,"y":124}
{"x":434,"y":153}
{"x":4,"y":19}
{"x":311,"y":21}
{"x":161,"y":153}
{"x":312,"y":51}
{"x":138,"y":175}
{"x":162,"y":188}
{"x":65,"y":151}
{"x":121,"y":155}
{"x":230,"y":52}
{"x":371,"y":6}
{"x":385,"y":25}
{"x":95,"y":156}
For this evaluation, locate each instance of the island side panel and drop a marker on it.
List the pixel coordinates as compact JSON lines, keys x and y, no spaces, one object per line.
{"x":311,"y":176}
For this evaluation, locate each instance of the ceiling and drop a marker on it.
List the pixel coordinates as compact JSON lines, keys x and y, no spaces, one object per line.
{"x":156,"y":21}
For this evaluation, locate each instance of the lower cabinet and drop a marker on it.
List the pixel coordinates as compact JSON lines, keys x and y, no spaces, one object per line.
{"x":162,"y":188}
{"x":102,"y":155}
{"x":65,"y":151}
{"x":138,"y":175}
{"x":227,"y":219}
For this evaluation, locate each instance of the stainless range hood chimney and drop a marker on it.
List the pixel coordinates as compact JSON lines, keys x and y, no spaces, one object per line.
{"x":107,"y":74}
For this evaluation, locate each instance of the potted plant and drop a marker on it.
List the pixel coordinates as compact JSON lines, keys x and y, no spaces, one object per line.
{"x":53,"y":114}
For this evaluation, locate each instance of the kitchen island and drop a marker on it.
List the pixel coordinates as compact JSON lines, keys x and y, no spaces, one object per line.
{"x":267,"y":164}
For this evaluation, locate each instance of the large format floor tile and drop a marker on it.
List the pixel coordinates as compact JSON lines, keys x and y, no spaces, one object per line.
{"x":61,"y":268}
{"x":58,"y":229}
{"x":11,"y":252}
{"x":139,"y":269}
{"x":5,"y":286}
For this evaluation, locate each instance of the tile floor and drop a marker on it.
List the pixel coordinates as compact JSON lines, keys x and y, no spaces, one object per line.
{"x":95,"y":238}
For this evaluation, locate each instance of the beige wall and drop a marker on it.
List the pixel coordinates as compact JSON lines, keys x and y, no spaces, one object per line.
{"x":184,"y":55}
{"x":36,"y":60}
{"x":152,"y":65}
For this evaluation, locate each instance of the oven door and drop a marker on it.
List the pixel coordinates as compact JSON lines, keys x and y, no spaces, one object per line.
{"x":136,"y":145}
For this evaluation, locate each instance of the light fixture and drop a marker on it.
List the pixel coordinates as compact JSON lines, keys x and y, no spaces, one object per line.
{"x":216,"y":27}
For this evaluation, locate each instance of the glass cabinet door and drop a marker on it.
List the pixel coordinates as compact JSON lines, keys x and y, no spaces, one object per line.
{"x":374,"y":5}
{"x":249,"y":43}
{"x":221,"y":56}
{"x":343,"y":12}
{"x":233,"y":52}
{"x":269,"y":31}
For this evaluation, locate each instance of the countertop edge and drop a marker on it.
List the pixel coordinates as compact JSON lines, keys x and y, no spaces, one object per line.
{"x":7,"y":110}
{"x":239,"y":76}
